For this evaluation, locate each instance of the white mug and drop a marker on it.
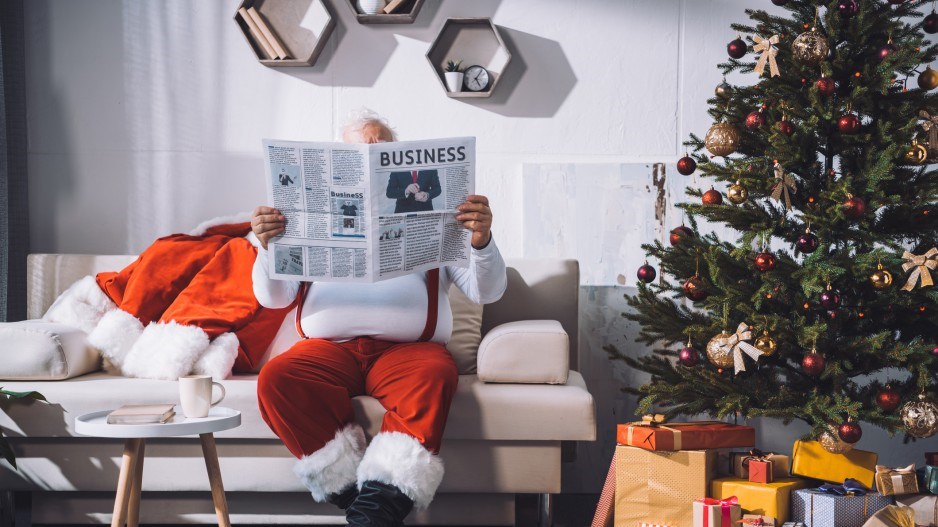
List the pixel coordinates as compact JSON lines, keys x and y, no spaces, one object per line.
{"x":195,"y":394}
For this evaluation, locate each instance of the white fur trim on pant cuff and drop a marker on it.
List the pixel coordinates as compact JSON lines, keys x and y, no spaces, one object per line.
{"x":115,"y":335}
{"x":240,"y":217}
{"x":332,"y":468}
{"x":165,"y":351}
{"x":219,"y":357}
{"x":81,"y":305}
{"x":400,"y":460}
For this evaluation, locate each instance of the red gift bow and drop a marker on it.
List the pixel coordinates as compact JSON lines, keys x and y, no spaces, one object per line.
{"x":726,"y":506}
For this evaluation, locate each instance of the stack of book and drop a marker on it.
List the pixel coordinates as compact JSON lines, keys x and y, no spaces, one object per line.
{"x":263,"y":34}
{"x":135,"y":414}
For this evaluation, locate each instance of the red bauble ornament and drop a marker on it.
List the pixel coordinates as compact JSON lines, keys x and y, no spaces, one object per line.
{"x":830,"y":299}
{"x":935,"y":351}
{"x":695,"y":289}
{"x":786,"y":127}
{"x":689,"y":357}
{"x":813,"y":364}
{"x":807,"y":243}
{"x":755,"y":120}
{"x":712,"y":197}
{"x":765,"y":261}
{"x":930,"y":23}
{"x":686,"y":165}
{"x":854,"y":208}
{"x":849,"y":432}
{"x":646,"y":273}
{"x":886,"y":51}
{"x":679,"y":233}
{"x":888,"y":399}
{"x":826,"y":86}
{"x":848,"y":124}
{"x":737,"y":48}
{"x":847,"y":8}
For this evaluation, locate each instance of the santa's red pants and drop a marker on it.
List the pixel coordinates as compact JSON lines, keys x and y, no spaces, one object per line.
{"x":305,"y":393}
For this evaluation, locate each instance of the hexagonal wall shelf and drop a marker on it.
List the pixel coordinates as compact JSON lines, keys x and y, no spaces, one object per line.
{"x":474,"y":41}
{"x":301,"y":27}
{"x":404,"y":13}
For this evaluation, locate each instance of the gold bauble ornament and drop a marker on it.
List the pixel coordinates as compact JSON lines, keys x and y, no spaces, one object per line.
{"x":881,"y":278}
{"x":832,"y":442}
{"x":722,"y":139}
{"x":737,"y":193}
{"x":810,"y":47}
{"x":723,"y":90}
{"x":928,"y":80}
{"x":766,"y":344}
{"x":719,"y":355}
{"x":920,"y":417}
{"x":917,"y":154}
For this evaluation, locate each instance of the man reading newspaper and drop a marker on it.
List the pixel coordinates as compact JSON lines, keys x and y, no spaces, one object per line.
{"x":385,"y":339}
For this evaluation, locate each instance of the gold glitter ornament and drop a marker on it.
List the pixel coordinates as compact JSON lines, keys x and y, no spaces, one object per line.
{"x":766,"y":344}
{"x":722,"y":139}
{"x":920,"y":417}
{"x":719,"y":355}
{"x":810,"y":47}
{"x":832,"y":443}
{"x":737,"y":193}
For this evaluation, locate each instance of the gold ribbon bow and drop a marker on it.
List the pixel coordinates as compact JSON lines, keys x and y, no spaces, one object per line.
{"x":736,"y":343}
{"x":901,"y":470}
{"x":784,"y":187}
{"x":769,"y":51}
{"x":921,"y":265}
{"x":897,"y":515}
{"x":930,"y":126}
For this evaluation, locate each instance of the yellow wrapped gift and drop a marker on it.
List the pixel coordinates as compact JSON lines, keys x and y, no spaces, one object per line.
{"x":810,"y":460}
{"x":766,"y":499}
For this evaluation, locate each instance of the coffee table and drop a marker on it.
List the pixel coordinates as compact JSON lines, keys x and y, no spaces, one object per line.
{"x":127,"y":500}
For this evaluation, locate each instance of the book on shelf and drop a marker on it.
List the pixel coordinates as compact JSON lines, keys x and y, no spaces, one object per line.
{"x":393,"y":6}
{"x":141,"y":414}
{"x":269,"y":34}
{"x":259,"y":37}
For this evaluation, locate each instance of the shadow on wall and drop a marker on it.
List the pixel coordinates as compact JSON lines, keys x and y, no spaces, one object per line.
{"x":536,"y":91}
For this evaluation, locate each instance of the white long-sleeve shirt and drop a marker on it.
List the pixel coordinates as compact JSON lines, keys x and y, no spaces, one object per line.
{"x":393,"y":310}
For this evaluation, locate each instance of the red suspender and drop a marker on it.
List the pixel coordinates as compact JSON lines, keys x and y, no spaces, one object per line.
{"x":433,"y":305}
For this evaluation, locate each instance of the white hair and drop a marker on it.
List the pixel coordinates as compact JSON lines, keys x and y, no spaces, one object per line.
{"x":358,"y":119}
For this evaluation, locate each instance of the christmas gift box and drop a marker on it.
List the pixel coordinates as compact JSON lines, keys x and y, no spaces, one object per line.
{"x":739,"y":463}
{"x":810,"y":460}
{"x":660,"y":487}
{"x":931,"y":458}
{"x":925,"y":507}
{"x":709,"y":512}
{"x":761,"y":471}
{"x":766,"y":499}
{"x":892,"y":516}
{"x":757,"y":520}
{"x":654,"y":433}
{"x":928,"y":479}
{"x":816,"y":508}
{"x":896,"y":481}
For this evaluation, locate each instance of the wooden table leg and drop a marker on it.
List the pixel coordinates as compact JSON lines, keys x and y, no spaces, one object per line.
{"x":214,"y":478}
{"x":129,"y":461}
{"x":133,"y":508}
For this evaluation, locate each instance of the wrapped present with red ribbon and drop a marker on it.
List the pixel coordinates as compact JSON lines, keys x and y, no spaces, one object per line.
{"x":709,"y":512}
{"x":654,"y":433}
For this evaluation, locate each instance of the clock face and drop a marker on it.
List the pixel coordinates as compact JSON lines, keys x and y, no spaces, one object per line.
{"x":476,"y":78}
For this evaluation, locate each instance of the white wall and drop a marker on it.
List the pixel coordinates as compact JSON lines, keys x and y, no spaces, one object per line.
{"x":146,"y":118}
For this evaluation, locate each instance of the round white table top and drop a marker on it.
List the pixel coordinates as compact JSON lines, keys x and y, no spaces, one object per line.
{"x":219,"y":418}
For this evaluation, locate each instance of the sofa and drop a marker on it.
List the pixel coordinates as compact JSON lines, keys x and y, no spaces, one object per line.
{"x":517,"y":415}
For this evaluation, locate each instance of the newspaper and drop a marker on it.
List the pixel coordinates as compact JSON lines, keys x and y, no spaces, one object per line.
{"x":368,"y":212}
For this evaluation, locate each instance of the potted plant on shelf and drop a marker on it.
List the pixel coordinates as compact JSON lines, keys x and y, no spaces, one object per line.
{"x":453,"y":74}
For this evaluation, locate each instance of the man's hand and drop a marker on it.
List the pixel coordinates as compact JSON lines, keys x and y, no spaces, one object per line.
{"x":421,"y":197}
{"x":413,"y":188}
{"x":266,"y":222}
{"x":476,"y":216}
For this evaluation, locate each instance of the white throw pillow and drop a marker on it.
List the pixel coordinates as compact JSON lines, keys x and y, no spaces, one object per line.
{"x":467,"y":331}
{"x":35,"y":350}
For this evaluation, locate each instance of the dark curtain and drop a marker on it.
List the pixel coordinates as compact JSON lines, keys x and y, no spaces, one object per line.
{"x":14,"y":217}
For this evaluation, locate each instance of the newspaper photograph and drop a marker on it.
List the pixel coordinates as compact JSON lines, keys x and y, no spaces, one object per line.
{"x":368,"y":212}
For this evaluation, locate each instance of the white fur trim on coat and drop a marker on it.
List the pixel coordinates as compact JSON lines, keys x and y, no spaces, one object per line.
{"x":400,"y":460}
{"x":115,"y":335}
{"x":219,"y":357}
{"x":81,"y":305}
{"x":165,"y":351}
{"x":332,"y":468}
{"x":240,"y":217}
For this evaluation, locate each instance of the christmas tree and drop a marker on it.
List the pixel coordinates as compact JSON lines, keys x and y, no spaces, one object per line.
{"x":822,"y":309}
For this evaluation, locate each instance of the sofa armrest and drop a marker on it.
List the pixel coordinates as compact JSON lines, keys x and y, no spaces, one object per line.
{"x":36,"y":350}
{"x":527,"y":351}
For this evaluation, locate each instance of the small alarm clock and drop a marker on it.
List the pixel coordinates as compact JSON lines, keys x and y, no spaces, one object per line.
{"x":476,"y":78}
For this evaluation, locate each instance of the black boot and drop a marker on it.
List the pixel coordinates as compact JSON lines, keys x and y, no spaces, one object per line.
{"x":344,"y":498}
{"x":379,"y":505}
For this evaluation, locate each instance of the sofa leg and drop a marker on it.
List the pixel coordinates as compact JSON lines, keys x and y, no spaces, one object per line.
{"x":545,"y":510}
